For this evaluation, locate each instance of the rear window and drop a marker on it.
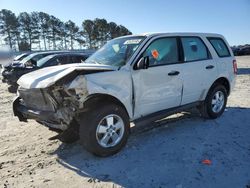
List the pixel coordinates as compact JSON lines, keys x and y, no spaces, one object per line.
{"x":220,"y":47}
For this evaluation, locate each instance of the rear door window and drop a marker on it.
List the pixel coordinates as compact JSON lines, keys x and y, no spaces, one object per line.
{"x":194,"y":49}
{"x":63,"y":60}
{"x":52,"y":62}
{"x":78,"y":59}
{"x":220,"y":47}
{"x":57,"y":61}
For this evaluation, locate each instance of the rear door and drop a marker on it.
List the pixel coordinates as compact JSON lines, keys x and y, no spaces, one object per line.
{"x":224,"y":58}
{"x":200,"y":69}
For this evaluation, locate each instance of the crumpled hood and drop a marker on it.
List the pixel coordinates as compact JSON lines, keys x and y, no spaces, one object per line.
{"x":46,"y":77}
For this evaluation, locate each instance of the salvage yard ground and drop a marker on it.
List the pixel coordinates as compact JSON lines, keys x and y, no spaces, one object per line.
{"x":168,"y":153}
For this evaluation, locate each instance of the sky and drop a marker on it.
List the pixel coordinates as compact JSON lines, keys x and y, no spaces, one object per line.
{"x":230,"y":18}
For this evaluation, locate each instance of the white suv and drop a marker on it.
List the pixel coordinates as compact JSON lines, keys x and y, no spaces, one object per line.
{"x":131,"y":78}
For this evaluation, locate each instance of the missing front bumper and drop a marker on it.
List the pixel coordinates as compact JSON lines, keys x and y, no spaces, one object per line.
{"x":24,"y":113}
{"x":47,"y":118}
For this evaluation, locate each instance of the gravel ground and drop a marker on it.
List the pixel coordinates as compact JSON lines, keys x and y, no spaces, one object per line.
{"x":168,"y":153}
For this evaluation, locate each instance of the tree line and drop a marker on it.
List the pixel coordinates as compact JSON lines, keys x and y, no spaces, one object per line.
{"x":47,"y":32}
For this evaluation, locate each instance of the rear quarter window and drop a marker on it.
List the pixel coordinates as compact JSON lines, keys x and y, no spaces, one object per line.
{"x":220,"y":47}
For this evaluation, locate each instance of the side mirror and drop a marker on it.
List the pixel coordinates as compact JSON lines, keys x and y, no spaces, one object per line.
{"x":143,"y":63}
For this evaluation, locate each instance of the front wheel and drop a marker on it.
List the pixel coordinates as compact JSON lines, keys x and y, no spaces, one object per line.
{"x":104,"y":130}
{"x":215,"y":102}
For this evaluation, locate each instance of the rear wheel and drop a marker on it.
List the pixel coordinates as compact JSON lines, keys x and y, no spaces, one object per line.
{"x":215,"y":102}
{"x":104,"y":130}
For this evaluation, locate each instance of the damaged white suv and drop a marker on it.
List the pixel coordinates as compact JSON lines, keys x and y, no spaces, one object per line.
{"x":131,"y":78}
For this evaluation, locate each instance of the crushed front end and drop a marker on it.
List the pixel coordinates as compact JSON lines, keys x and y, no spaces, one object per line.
{"x":55,"y":106}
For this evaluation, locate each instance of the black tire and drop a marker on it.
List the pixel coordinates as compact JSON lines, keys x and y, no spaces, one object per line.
{"x":89,"y":121}
{"x":206,"y":108}
{"x":13,"y":88}
{"x":67,"y":136}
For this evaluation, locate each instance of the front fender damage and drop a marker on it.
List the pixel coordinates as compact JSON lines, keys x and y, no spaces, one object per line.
{"x":55,"y":106}
{"x":58,"y":105}
{"x":79,"y":86}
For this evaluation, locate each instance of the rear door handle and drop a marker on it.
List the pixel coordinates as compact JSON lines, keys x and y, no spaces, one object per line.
{"x":209,"y":67}
{"x":173,"y":73}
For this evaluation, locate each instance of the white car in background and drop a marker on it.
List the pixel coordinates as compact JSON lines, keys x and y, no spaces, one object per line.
{"x":131,"y":78}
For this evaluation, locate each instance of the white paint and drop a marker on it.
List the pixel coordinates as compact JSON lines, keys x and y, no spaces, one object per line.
{"x":46,"y":77}
{"x":153,"y":88}
{"x":115,"y":83}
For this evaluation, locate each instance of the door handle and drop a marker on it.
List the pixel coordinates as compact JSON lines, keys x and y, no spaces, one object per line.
{"x":209,"y":67}
{"x":173,"y":73}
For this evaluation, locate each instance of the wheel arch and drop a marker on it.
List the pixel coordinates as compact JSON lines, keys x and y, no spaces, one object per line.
{"x":98,"y":98}
{"x":223,"y":81}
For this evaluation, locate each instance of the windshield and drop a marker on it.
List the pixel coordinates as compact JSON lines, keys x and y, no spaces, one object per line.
{"x":20,"y":57}
{"x":42,"y":61}
{"x":116,"y":52}
{"x":33,"y":58}
{"x":29,"y":57}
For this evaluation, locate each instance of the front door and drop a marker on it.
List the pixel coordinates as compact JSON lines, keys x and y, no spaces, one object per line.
{"x":160,"y":86}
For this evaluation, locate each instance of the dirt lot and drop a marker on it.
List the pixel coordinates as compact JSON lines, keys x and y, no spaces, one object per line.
{"x":167,"y":154}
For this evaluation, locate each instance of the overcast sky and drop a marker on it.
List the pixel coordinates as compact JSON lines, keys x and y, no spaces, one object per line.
{"x":227,"y":17}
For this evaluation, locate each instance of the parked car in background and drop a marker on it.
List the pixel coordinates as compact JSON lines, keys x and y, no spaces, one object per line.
{"x":244,"y":51}
{"x":12,"y":76}
{"x":60,"y":59}
{"x":241,"y":50}
{"x":9,"y":71}
{"x":21,"y":56}
{"x":235,"y":50}
{"x":16,"y":61}
{"x":132,"y":78}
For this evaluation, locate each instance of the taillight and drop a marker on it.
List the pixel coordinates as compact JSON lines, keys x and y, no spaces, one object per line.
{"x":235,"y":66}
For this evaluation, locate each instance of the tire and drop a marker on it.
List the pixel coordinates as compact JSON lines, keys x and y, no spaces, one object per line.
{"x":95,"y":129}
{"x":69,"y":135}
{"x":13,"y":88}
{"x":211,"y":108}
